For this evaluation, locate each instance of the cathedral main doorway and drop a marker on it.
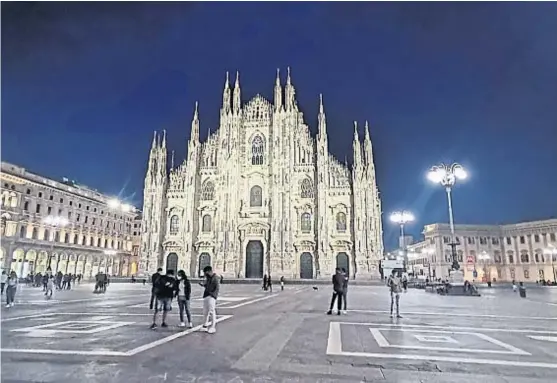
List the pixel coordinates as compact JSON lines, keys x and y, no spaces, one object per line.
{"x":204,"y":260}
{"x":306,"y":266}
{"x":254,"y":259}
{"x":342,"y":262}
{"x":172,"y":262}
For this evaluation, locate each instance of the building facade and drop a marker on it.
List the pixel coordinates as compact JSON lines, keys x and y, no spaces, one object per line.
{"x":524,"y":251}
{"x":62,"y":225}
{"x":261,"y":195}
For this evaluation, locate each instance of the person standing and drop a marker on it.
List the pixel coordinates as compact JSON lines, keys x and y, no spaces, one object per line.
{"x":11,"y":289}
{"x":165,"y":290}
{"x":344,"y":290}
{"x":184,"y":294}
{"x":282,"y":283}
{"x":338,"y":283}
{"x":265,"y":280}
{"x":395,"y":286}
{"x":49,"y":287}
{"x":210,"y":295}
{"x":154,"y":278}
{"x":3,"y":280}
{"x":270,"y":283}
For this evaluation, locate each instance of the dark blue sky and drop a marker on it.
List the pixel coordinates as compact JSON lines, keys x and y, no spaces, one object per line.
{"x":84,"y":85}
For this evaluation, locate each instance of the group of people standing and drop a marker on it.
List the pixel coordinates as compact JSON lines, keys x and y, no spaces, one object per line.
{"x":166,"y":287}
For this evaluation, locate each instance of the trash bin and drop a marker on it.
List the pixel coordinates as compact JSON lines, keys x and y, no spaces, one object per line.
{"x":488,"y":283}
{"x":522,"y":291}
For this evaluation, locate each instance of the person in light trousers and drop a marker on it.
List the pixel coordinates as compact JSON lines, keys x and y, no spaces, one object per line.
{"x":11,"y":289}
{"x":210,"y":295}
{"x":184,"y":294}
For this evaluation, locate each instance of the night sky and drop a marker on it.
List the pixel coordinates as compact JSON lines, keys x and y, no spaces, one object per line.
{"x":84,"y":85}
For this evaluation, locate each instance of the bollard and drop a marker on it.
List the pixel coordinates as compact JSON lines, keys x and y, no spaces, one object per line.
{"x":522,"y":291}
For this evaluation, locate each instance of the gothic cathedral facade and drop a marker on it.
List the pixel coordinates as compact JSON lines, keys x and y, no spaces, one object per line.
{"x":262,"y":196}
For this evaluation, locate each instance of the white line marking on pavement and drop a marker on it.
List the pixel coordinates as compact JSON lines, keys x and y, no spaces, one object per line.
{"x":102,"y":326}
{"x":170,"y":338}
{"x":450,"y":327}
{"x":468,"y":315}
{"x":119,"y":314}
{"x":547,"y":338}
{"x":250,"y":302}
{"x":334,"y":347}
{"x":383,"y":342}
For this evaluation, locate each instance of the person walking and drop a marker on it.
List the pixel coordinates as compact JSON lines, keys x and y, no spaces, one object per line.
{"x":154,"y":278}
{"x":338,"y":283}
{"x":11,"y":289}
{"x":395,"y":286}
{"x":184,"y":294}
{"x":265,"y":281}
{"x":344,"y":290}
{"x":49,"y":287}
{"x":3,"y":280}
{"x":210,"y":295}
{"x":270,"y":283}
{"x":165,"y":290}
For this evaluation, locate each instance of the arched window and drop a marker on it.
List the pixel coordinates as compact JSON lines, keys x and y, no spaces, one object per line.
{"x":257,"y":150}
{"x":23,"y":232}
{"x":26,"y":206}
{"x":306,"y":188}
{"x":306,"y":222}
{"x":174,"y":225}
{"x":341,"y":221}
{"x":46,"y":235}
{"x":510,"y":255}
{"x":208,"y":191}
{"x":35,"y":233}
{"x":497,"y":257}
{"x":206,"y":225}
{"x":256,"y":196}
{"x":524,"y":257}
{"x":57,"y":236}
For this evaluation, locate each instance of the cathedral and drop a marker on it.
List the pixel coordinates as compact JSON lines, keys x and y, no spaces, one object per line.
{"x":262,"y":196}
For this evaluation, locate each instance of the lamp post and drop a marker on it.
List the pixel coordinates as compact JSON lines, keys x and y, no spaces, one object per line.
{"x":54,"y":222}
{"x":552,"y":252}
{"x":447,"y":175}
{"x":484,"y":258}
{"x":401,"y":218}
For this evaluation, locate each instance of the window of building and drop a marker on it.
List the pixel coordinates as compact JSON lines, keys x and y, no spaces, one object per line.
{"x":208,"y":191}
{"x":6,"y":185}
{"x":497,"y":257}
{"x":257,"y":151}
{"x":483,"y":241}
{"x":78,"y":217}
{"x":105,"y":243}
{"x":509,"y":241}
{"x":94,"y":219}
{"x":471,"y":240}
{"x":51,"y":198}
{"x":86,"y":219}
{"x":87,"y":207}
{"x":457,"y":240}
{"x":537,"y":258}
{"x":494,"y":241}
{"x":75,"y":237}
{"x":206,"y":224}
{"x":510,"y":255}
{"x":256,"y":196}
{"x":79,"y":206}
{"x":341,"y":221}
{"x":446,"y":239}
{"x":552,"y":237}
{"x":71,"y":203}
{"x":522,"y":240}
{"x":66,"y":237}
{"x":28,"y":191}
{"x":306,"y":222}
{"x":59,"y":212}
{"x":49,"y":210}
{"x":57,"y":236}
{"x":46,"y":235}
{"x":526,"y":274}
{"x":174,"y":225}
{"x":26,"y":206}
{"x":35,"y":234}
{"x":69,"y":214}
{"x":22,"y":231}
{"x":94,"y":210}
{"x":38,"y":208}
{"x":536,"y":238}
{"x":524,"y":257}
{"x":306,"y":188}
{"x":98,"y":242}
{"x":61,"y":200}
{"x":40,"y":195}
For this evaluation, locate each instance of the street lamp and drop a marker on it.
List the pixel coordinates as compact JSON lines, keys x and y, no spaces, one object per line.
{"x":401,"y":218}
{"x":54,"y":221}
{"x":447,"y":175}
{"x":552,"y":252}
{"x":484,"y":258}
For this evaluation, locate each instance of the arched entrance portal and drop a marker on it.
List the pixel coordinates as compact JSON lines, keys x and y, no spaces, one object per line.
{"x":204,"y":260}
{"x":306,"y":266}
{"x":172,"y":262}
{"x":342,"y":262}
{"x":254,"y":259}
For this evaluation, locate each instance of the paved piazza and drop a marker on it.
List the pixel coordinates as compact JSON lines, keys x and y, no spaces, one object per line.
{"x":282,"y":337}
